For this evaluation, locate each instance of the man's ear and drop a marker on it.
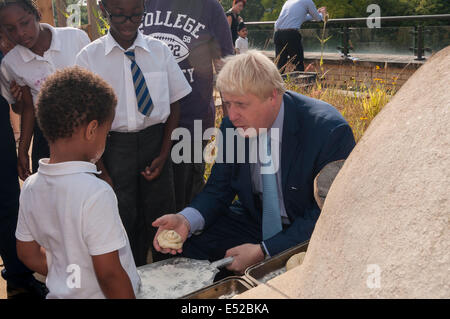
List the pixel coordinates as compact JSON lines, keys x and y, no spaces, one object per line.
{"x":91,"y":130}
{"x":273,"y":96}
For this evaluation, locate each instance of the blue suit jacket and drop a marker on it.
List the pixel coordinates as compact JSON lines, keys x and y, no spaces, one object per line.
{"x":314,"y":134}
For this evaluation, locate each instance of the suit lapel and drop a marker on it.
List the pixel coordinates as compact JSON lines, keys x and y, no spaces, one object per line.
{"x":290,"y":142}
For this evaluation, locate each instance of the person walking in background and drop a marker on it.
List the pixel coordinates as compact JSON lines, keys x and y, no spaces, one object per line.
{"x":196,"y":52}
{"x":234,"y":18}
{"x":287,"y":38}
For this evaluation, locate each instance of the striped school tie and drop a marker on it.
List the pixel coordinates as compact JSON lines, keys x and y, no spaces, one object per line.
{"x":271,"y":205}
{"x":144,"y":101}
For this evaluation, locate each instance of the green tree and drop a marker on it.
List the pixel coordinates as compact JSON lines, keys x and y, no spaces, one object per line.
{"x":431,"y":6}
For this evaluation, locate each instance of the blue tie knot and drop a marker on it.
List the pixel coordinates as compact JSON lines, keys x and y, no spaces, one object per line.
{"x":130,"y":54}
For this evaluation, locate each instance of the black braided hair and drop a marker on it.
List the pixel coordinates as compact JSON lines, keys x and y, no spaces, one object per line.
{"x":28,"y":5}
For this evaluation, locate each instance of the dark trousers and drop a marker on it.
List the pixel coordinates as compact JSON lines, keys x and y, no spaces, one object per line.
{"x":235,"y":227}
{"x":188,"y":179}
{"x":288,"y":47}
{"x":16,"y":271}
{"x":140,"y":201}
{"x":40,"y":148}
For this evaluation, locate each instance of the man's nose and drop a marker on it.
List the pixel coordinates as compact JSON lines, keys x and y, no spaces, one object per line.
{"x":232,"y":114}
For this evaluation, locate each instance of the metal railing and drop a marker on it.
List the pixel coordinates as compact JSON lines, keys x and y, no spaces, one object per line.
{"x":346,"y":24}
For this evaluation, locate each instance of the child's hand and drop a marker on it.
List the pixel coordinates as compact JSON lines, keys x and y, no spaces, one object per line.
{"x":16,"y":91}
{"x":23,"y":165}
{"x":154,"y":170}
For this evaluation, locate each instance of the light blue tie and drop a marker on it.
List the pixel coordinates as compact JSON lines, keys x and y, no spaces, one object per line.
{"x":271,"y":205}
{"x":144,"y":101}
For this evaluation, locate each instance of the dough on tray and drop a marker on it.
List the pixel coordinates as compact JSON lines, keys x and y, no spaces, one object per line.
{"x":295,"y":260}
{"x":170,"y":239}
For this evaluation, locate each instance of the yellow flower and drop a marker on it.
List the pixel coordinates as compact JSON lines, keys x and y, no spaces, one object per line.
{"x":377,"y":67}
{"x":363,"y":118}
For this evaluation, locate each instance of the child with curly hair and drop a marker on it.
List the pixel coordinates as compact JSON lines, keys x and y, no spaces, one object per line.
{"x":69,"y":227}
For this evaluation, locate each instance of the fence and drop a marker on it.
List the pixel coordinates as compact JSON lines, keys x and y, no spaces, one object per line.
{"x":413,"y":36}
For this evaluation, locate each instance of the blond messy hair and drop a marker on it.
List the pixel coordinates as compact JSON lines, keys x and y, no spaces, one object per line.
{"x":250,"y":72}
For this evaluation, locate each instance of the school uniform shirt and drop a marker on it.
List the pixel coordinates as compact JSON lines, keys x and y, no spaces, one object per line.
{"x":73,"y":214}
{"x":165,"y":80}
{"x":242,"y":44}
{"x":27,"y":68}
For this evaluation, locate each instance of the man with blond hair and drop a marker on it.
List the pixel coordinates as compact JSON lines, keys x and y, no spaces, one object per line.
{"x":287,"y":139}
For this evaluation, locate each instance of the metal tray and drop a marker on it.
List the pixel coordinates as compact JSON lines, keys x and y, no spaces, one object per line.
{"x":222,"y":289}
{"x":270,"y":268}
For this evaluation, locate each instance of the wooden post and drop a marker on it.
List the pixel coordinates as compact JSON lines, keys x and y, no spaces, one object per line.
{"x":46,"y":8}
{"x":92,"y":19}
{"x":60,"y":6}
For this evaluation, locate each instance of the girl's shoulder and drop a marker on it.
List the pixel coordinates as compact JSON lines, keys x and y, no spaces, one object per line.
{"x":13,"y":56}
{"x":75,"y":36}
{"x":67,"y":31}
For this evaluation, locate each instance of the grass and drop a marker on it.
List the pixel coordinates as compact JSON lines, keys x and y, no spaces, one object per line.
{"x":359,"y":104}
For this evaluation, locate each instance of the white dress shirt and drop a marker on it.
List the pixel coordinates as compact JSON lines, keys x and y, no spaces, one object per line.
{"x":27,"y":68}
{"x":196,"y":219}
{"x":241,"y":44}
{"x":164,"y":78}
{"x":74,"y":215}
{"x":295,"y":12}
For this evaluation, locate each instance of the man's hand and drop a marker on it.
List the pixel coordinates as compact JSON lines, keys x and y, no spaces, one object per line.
{"x":245,"y":256}
{"x":176,"y":222}
{"x":154,"y":170}
{"x":23,"y":165}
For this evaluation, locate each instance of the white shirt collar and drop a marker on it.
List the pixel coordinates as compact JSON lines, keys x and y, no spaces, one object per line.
{"x":66,"y":168}
{"x":28,"y":55}
{"x":278,"y":123}
{"x":111,"y":43}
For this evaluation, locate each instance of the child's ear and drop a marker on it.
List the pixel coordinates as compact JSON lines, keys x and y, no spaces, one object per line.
{"x":91,"y":130}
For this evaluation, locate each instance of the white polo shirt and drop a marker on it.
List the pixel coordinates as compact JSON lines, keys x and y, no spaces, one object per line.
{"x":73,"y":214}
{"x":164,"y":78}
{"x":27,"y":68}
{"x":241,"y":44}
